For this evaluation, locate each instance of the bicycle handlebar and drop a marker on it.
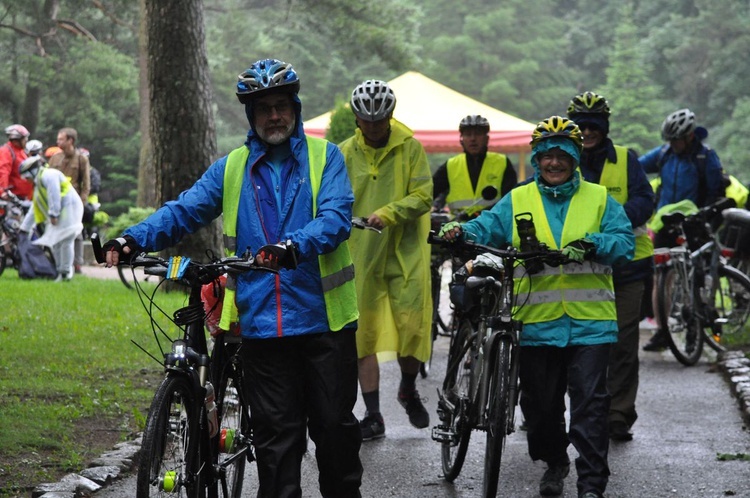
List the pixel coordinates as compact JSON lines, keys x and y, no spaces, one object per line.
{"x":552,"y":257}
{"x":706,"y":212}
{"x":194,"y":273}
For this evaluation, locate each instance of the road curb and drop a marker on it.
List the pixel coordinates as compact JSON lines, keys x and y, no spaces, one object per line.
{"x":735,"y":366}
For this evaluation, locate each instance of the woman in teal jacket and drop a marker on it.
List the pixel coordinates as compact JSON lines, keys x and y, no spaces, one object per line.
{"x":566,"y":353}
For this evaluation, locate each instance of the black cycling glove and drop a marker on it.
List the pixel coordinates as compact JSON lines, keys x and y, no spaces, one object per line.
{"x":283,"y":254}
{"x":119,"y":244}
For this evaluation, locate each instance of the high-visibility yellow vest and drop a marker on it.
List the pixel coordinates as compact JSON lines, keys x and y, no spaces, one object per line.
{"x":461,"y":196}
{"x":336,"y":267}
{"x":41,"y":197}
{"x":582,"y":291}
{"x":615,"y":178}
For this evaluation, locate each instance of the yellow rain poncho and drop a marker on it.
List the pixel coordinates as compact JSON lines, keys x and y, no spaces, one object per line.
{"x":392,"y":269}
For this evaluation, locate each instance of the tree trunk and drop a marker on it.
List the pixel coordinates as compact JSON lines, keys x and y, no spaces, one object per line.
{"x":181,"y":125}
{"x":147,"y":187}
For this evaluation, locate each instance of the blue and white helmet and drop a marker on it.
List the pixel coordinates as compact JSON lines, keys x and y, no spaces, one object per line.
{"x":373,"y":100}
{"x":265,"y":76}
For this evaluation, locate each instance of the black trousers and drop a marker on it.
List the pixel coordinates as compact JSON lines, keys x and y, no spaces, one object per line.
{"x":546,"y":373}
{"x":295,"y":383}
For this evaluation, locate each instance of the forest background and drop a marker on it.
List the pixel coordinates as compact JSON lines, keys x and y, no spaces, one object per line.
{"x":81,"y":63}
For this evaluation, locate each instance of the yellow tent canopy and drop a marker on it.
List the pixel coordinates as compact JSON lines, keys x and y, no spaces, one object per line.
{"x":433,"y":111}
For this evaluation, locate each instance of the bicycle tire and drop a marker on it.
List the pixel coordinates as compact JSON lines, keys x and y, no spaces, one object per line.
{"x":3,"y":261}
{"x":234,"y":431}
{"x":675,"y":305}
{"x":730,"y":306}
{"x":497,"y":427}
{"x":435,"y":283}
{"x":457,"y":386}
{"x":170,"y":448}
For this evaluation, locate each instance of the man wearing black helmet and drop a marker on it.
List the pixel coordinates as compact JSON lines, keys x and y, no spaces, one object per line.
{"x":298,"y":325}
{"x":687,"y":169}
{"x":475,"y":180}
{"x":390,"y":176}
{"x":617,"y":169}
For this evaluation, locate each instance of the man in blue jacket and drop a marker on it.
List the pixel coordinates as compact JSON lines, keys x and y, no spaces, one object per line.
{"x":617,"y":168}
{"x":569,"y":317}
{"x":298,"y":326}
{"x":688,"y":169}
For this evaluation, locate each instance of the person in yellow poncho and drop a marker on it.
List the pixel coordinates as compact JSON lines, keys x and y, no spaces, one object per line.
{"x":392,"y":188}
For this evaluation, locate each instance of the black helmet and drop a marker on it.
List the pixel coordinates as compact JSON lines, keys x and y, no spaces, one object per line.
{"x":588,"y":103}
{"x":264,"y":76}
{"x":474,"y":121}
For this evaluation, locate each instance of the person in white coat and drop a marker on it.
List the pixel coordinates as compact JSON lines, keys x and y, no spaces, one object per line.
{"x":58,"y":206}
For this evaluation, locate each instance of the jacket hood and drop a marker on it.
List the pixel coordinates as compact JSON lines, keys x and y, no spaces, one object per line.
{"x":400,"y":133}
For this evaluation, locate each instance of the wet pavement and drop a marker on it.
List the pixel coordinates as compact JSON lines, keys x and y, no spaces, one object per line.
{"x":688,"y":417}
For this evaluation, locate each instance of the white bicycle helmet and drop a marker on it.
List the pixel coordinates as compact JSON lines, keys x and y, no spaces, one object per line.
{"x":677,"y":125}
{"x":34,"y":147}
{"x":373,"y":100}
{"x":16,"y":132}
{"x":30,"y":167}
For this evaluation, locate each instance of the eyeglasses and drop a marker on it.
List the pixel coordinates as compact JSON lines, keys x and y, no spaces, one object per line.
{"x":561,"y":157}
{"x":264,"y":109}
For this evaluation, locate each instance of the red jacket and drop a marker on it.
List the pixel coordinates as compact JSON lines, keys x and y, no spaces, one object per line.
{"x":10,"y":160}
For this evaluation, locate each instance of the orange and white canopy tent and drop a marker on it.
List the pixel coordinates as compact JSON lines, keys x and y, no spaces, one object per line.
{"x":433,"y":111}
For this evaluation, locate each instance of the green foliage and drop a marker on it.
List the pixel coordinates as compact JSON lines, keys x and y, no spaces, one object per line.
{"x":67,"y":363}
{"x":342,"y":124}
{"x":636,"y":108}
{"x":133,"y":216}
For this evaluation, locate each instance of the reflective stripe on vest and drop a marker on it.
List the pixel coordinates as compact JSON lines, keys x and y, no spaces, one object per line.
{"x":336,"y":267}
{"x":584,"y":291}
{"x":41,"y":197}
{"x":615,"y":178}
{"x":461,"y":196}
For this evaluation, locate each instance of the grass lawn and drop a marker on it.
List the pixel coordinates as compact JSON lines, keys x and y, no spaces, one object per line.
{"x":71,"y":381}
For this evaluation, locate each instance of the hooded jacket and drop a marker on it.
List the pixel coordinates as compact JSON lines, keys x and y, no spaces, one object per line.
{"x":293,"y":304}
{"x":614,"y":245}
{"x":393,"y":267}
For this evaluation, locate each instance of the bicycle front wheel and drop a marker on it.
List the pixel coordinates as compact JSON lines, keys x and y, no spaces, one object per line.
{"x":676,"y":311}
{"x":457,"y":389}
{"x":234,"y":440}
{"x":169,"y":453}
{"x":497,"y":427}
{"x":729,"y":306}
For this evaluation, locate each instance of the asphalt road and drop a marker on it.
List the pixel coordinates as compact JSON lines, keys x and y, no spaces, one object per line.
{"x":687,"y":417}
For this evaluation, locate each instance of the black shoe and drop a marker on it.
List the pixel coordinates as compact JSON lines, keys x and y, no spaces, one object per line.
{"x":658,"y":342}
{"x":372,"y":427}
{"x":553,"y":480}
{"x":618,"y":431}
{"x":418,"y":416}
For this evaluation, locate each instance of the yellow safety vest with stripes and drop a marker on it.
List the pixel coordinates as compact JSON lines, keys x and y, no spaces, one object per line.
{"x":461,"y":197}
{"x":615,"y":178}
{"x":41,"y":197}
{"x":336,"y":267}
{"x":582,"y":291}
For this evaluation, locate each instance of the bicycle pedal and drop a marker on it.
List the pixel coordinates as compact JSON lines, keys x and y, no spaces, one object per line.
{"x":444,"y":434}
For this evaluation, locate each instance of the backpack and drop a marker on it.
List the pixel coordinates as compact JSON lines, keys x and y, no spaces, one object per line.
{"x":95,"y":181}
{"x":36,"y":261}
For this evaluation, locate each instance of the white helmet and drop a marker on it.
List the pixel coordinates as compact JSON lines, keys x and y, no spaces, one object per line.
{"x":373,"y":100}
{"x":31,"y":166}
{"x":34,"y":147}
{"x":677,"y":125}
{"x":16,"y":132}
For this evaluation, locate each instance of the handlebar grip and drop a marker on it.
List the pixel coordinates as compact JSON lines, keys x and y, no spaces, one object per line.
{"x":96,"y":246}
